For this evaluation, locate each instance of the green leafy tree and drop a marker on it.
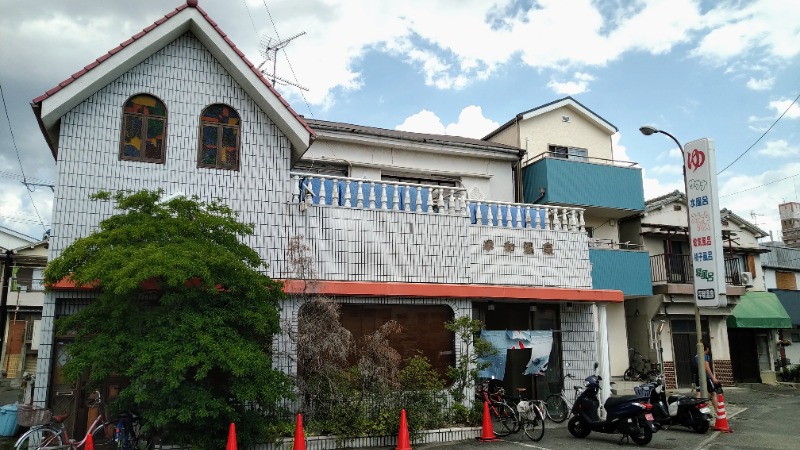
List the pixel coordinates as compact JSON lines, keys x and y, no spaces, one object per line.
{"x":184,"y":312}
{"x":469,"y":363}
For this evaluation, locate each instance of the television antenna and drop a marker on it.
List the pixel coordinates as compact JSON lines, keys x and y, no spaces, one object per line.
{"x":270,"y":50}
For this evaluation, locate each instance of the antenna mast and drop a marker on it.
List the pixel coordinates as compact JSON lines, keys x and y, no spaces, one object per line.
{"x":270,"y":53}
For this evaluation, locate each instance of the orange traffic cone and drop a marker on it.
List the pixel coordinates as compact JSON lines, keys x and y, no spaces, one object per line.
{"x":402,"y":438}
{"x":299,"y":435}
{"x":722,"y":418}
{"x":487,"y":432}
{"x":89,"y":443}
{"x":231,"y":438}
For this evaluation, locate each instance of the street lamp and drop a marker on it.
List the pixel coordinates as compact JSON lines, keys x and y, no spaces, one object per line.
{"x":649,"y":130}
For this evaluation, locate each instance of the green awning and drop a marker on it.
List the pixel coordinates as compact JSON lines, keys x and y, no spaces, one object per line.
{"x":759,"y":310}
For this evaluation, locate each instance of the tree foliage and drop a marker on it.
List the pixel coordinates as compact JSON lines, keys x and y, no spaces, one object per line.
{"x":183,"y":311}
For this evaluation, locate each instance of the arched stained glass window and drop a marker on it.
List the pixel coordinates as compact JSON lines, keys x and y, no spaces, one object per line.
{"x":219,"y":138}
{"x":144,"y":129}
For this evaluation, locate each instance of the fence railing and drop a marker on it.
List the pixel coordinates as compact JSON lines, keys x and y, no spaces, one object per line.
{"x":27,"y":285}
{"x":343,"y":192}
{"x":679,"y":269}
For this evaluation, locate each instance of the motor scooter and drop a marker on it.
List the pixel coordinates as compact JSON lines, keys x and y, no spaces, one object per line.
{"x":629,"y":415}
{"x":677,"y":409}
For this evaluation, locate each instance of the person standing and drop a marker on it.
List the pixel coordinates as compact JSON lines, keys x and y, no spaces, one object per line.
{"x":712,"y":383}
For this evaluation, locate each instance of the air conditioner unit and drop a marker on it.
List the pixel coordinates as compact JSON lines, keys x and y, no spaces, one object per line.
{"x":746,"y":278}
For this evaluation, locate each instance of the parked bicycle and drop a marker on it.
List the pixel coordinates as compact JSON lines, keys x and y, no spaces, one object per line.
{"x":502,"y":414}
{"x":640,"y":368}
{"x":557,"y":406}
{"x":47,"y":432}
{"x":530,"y":415}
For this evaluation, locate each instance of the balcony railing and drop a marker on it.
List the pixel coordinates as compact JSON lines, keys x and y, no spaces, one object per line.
{"x":356,"y":193}
{"x":27,"y":285}
{"x":589,"y":159}
{"x":679,"y":269}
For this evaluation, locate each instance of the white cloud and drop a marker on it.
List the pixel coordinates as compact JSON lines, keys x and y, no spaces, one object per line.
{"x":653,"y":187}
{"x":735,"y":29}
{"x":792,"y":112}
{"x":760,"y":85}
{"x":471,"y":123}
{"x":779,"y":148}
{"x":579,"y":84}
{"x":422,"y":122}
{"x":668,"y":169}
{"x":760,"y":194}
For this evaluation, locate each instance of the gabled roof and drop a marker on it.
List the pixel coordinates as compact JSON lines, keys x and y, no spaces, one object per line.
{"x":53,"y":104}
{"x":725,"y":214}
{"x":395,"y":137}
{"x":570,"y":103}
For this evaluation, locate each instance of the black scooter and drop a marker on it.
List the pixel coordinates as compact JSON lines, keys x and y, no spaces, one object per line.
{"x":629,"y":415}
{"x":677,"y":409}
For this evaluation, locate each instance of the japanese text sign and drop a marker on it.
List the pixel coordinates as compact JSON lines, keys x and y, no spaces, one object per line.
{"x":705,"y":227}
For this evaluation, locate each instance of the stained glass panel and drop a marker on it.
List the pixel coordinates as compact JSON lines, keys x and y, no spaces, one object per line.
{"x":209,"y":146}
{"x":219,"y":145}
{"x":144,"y":123}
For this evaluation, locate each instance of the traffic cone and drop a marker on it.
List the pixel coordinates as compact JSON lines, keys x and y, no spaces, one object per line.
{"x":487,"y":432}
{"x":89,"y":443}
{"x":402,"y":438}
{"x":299,"y":435}
{"x":231,"y":438}
{"x":722,"y":418}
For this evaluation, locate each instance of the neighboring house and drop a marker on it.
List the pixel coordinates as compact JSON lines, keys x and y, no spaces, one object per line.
{"x":664,"y":229}
{"x":10,"y":239}
{"x":570,"y":162}
{"x":406,"y":226}
{"x":22,"y":308}
{"x":790,"y":223}
{"x":782,"y":277}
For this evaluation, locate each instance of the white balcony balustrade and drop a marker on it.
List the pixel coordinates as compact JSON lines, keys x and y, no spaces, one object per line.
{"x":325,"y":190}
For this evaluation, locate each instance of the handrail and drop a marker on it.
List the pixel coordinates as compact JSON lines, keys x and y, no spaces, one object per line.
{"x":586,"y":159}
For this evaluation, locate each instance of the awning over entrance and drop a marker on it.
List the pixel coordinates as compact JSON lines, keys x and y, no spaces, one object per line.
{"x":759,"y":310}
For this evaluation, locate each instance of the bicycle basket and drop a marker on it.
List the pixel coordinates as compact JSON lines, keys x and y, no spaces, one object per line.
{"x":28,"y":415}
{"x":525,"y":410}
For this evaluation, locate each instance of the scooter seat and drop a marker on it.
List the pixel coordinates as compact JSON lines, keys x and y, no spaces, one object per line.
{"x":614,"y":401}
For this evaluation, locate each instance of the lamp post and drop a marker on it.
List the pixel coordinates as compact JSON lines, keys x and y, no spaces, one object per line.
{"x":648,"y":130}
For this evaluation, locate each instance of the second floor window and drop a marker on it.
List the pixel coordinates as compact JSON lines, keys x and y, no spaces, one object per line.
{"x":578,"y":154}
{"x":219,"y":138}
{"x":144,"y":129}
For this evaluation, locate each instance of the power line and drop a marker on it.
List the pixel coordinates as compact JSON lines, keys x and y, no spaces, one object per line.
{"x":760,"y":137}
{"x":14,"y":142}
{"x":759,"y":186}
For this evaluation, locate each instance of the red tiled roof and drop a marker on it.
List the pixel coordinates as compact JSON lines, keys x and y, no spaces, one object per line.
{"x":188,"y":4}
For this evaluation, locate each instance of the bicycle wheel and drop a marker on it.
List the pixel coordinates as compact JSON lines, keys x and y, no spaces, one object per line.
{"x":534,"y":429}
{"x":504,"y":419}
{"x":40,"y":438}
{"x":102,"y":437}
{"x":556,"y":408}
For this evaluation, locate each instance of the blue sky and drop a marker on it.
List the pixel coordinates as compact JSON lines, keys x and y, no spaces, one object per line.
{"x":723,"y":70}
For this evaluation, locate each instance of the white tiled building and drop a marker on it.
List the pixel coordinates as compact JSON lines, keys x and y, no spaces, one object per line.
{"x":417,"y":228}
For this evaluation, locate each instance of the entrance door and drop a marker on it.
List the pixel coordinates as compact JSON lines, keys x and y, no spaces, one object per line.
{"x":762,"y":347}
{"x":65,"y":394}
{"x":684,"y":349}
{"x":744,"y":355}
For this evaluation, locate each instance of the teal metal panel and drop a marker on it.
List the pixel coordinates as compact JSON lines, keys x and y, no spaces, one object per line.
{"x":582,"y":183}
{"x":624,"y":270}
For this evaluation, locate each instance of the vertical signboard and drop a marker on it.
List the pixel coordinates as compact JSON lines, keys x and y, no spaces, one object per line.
{"x":705,"y":227}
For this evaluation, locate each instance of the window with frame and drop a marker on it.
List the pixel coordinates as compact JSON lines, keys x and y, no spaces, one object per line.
{"x":144,"y":129}
{"x":559,"y":151}
{"x":219,"y":138}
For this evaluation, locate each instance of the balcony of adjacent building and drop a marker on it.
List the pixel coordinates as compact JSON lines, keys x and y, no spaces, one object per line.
{"x":674,"y":274}
{"x":25,"y":293}
{"x":623,"y":266}
{"x":390,"y":231}
{"x":603,"y":187}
